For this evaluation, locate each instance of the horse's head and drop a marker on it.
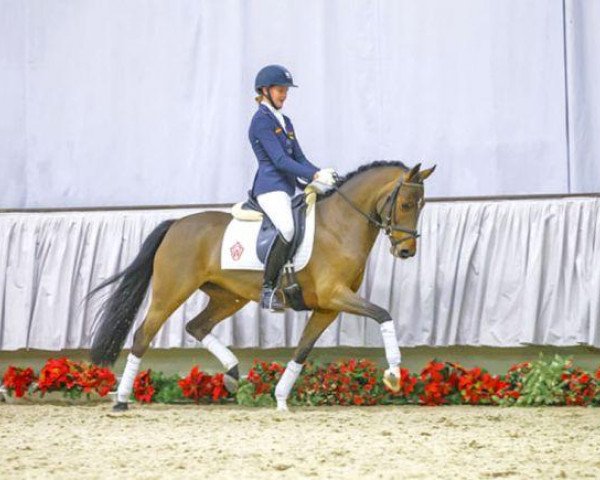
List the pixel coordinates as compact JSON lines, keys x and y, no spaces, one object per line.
{"x":400,"y":208}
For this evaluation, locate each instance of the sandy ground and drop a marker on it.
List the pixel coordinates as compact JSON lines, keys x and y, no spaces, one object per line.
{"x":45,"y":441}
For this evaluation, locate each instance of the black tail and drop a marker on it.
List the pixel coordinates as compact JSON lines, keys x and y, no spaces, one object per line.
{"x":120,"y":308}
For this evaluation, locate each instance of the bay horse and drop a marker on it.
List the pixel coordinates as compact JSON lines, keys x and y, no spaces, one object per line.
{"x":182,"y":256}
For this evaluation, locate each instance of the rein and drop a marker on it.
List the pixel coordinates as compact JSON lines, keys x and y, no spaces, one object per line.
{"x":387,"y":224}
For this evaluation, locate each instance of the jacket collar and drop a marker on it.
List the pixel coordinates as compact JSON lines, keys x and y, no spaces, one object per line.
{"x":268,"y":107}
{"x":264,"y":108}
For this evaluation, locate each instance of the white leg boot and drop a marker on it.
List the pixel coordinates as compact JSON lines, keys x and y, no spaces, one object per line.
{"x":391,"y":377}
{"x":129,"y":374}
{"x":225,"y":356}
{"x":285,"y":384}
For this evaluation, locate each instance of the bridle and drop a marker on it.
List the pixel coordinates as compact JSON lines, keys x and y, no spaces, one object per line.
{"x":387,"y":219}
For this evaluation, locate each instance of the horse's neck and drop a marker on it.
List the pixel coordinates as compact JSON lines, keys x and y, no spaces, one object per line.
{"x":364,"y":191}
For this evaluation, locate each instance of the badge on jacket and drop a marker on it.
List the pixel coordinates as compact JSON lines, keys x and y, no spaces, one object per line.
{"x":278,"y":130}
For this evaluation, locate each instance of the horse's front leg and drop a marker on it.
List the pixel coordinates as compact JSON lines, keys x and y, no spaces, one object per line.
{"x":345,"y":300}
{"x":317,"y":323}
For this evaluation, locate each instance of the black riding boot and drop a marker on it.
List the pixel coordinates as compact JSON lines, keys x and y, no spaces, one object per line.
{"x":276,"y":258}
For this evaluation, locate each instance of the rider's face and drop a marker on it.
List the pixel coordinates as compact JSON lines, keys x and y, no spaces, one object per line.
{"x":278,"y":94}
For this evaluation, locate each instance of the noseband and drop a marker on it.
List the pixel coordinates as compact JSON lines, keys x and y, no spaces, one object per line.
{"x":386,"y":224}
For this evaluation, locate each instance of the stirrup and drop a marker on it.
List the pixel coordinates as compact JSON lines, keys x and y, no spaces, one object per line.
{"x":270,"y":300}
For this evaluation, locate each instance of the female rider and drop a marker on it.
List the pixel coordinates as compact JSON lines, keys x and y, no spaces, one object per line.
{"x":280,"y":163}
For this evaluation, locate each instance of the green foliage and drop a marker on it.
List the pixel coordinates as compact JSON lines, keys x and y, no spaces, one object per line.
{"x":543,"y":384}
{"x":167,"y":388}
{"x":245,"y":396}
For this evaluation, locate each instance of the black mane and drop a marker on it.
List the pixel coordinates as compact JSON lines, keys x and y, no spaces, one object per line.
{"x":364,"y":168}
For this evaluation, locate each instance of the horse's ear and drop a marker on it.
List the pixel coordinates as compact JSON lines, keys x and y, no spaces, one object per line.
{"x":425,"y":173}
{"x":413,"y":172}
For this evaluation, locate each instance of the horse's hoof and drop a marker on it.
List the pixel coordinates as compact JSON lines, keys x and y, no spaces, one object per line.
{"x":120,"y":407}
{"x":231,"y":384}
{"x":391,"y":380}
{"x":282,"y":406}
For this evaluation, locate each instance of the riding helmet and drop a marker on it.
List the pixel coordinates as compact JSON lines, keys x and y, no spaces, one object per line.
{"x":273,"y":75}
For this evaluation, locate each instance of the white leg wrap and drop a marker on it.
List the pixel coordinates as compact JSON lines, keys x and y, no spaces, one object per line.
{"x":286,"y":382}
{"x":126,"y":383}
{"x":392,"y":351}
{"x":225,"y":356}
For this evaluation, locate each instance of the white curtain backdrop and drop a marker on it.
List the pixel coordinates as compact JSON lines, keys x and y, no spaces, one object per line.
{"x":583,"y":80}
{"x":148,"y":102}
{"x":486,"y":273}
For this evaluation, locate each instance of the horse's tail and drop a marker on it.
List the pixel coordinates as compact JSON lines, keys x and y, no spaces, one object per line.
{"x":120,"y":308}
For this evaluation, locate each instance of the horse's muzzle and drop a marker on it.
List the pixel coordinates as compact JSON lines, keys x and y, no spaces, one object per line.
{"x":404,"y":249}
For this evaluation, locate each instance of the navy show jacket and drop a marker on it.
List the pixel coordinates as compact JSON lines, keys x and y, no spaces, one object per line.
{"x":280,"y":158}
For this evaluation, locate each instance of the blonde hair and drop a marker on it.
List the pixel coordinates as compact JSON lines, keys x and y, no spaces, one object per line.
{"x":259,"y":98}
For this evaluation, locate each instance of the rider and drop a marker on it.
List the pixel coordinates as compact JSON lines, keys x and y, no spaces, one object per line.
{"x":280,"y":164}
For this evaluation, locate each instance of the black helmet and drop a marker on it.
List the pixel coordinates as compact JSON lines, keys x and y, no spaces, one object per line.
{"x":273,"y":75}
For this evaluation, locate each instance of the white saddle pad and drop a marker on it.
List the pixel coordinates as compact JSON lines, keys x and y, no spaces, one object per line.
{"x":238,"y":251}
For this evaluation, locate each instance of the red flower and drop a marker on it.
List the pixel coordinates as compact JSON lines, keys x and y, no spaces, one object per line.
{"x":479,"y":387}
{"x":264,"y":377}
{"x":510,"y":388}
{"x":433,"y":370}
{"x":201,"y":386}
{"x":219,"y":390}
{"x":54,"y":374}
{"x":407,"y":384}
{"x":192,"y":386}
{"x":580,"y":388}
{"x":66,"y":375}
{"x":143,"y":390}
{"x":276,"y":368}
{"x":97,"y":379}
{"x":60,"y":374}
{"x":407,"y":381}
{"x":18,"y":379}
{"x":353,"y":382}
{"x":440,"y":383}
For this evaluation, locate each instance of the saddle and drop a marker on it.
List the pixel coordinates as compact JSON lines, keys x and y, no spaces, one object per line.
{"x":251,"y":211}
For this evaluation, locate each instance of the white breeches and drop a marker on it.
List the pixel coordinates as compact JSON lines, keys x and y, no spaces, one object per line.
{"x":278,"y":206}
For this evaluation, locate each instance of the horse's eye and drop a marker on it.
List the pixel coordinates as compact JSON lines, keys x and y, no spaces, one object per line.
{"x":406,"y":206}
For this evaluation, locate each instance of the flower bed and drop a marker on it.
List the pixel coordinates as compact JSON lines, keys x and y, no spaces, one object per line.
{"x":546,"y":381}
{"x":59,"y":378}
{"x":197,"y":386}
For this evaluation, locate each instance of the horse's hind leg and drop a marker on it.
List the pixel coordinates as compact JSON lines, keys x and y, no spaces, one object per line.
{"x":317,"y":323}
{"x":172,"y":284}
{"x":222,"y":304}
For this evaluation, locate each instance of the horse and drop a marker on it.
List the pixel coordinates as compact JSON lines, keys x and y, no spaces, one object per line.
{"x":182,"y":256}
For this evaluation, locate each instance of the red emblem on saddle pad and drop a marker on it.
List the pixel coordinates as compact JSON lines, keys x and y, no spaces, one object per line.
{"x":236,"y":251}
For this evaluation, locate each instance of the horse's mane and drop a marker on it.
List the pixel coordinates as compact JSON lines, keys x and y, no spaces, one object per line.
{"x":364,"y":168}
